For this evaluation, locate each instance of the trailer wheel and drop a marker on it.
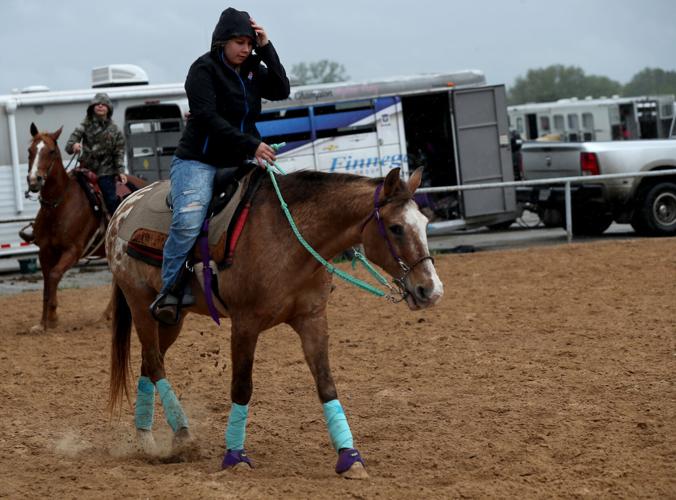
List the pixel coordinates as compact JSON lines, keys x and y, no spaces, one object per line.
{"x":656,"y":214}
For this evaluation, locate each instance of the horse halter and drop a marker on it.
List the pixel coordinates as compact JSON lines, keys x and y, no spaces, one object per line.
{"x":406,"y":269}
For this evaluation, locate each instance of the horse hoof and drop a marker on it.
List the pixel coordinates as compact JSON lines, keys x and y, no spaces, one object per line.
{"x":356,"y":471}
{"x":183,"y":445}
{"x":37,"y":329}
{"x":236,"y":460}
{"x":146,"y":442}
{"x":350,"y":465}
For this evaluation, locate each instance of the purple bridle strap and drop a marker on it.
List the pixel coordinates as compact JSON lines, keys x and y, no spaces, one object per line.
{"x":381,"y":225}
{"x":383,"y":233}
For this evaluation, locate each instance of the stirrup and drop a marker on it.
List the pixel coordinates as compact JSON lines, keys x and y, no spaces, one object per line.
{"x":27,"y":233}
{"x":166,"y":309}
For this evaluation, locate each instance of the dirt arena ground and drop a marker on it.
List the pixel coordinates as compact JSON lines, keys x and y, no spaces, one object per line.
{"x":545,"y":372}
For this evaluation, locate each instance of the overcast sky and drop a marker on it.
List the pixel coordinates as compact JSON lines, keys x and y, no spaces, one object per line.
{"x":57,"y":43}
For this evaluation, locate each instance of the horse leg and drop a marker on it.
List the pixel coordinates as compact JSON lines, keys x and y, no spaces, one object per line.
{"x":47,"y":261}
{"x":183,"y":443}
{"x":155,"y":340}
{"x":242,"y":348}
{"x":313,"y":332}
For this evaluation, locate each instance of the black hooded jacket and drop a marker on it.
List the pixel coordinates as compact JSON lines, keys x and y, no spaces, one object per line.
{"x":224,"y":104}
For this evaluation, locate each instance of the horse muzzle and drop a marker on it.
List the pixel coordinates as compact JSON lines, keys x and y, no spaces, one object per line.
{"x":424,"y":294}
{"x":35,"y":185}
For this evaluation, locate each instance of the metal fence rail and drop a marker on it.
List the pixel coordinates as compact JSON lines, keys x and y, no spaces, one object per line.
{"x":566,"y":181}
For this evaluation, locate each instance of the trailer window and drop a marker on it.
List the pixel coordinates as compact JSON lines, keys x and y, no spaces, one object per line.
{"x":544,"y":124}
{"x":285,"y":125}
{"x":347,"y":118}
{"x":573,"y":122}
{"x":519,"y":124}
{"x":587,"y":121}
{"x":559,"y":125}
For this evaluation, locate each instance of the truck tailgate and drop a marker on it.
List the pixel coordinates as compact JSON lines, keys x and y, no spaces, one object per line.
{"x":546,"y":161}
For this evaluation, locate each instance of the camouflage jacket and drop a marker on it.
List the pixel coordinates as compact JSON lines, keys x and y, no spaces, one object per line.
{"x":102,"y":146}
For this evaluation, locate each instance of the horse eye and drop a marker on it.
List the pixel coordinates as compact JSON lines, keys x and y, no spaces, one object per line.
{"x":396,"y":230}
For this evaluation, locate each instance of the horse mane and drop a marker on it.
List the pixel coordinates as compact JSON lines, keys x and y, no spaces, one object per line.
{"x":302,"y":186}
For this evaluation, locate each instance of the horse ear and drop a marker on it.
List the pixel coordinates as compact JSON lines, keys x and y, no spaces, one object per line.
{"x":55,"y":135}
{"x":391,"y":183}
{"x":415,"y":180}
{"x":34,"y":130}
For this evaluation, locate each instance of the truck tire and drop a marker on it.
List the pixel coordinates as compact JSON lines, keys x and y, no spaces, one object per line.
{"x":656,"y":212}
{"x":590,"y":221}
{"x":551,"y":217}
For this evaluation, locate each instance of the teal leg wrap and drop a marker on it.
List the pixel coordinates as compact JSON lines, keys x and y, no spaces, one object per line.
{"x":145,"y":404}
{"x":235,"y":434}
{"x":172,"y":408}
{"x":336,"y":421}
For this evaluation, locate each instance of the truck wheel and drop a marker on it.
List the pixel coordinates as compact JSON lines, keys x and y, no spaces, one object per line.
{"x":589,"y":222}
{"x":552,"y":217}
{"x":656,"y":214}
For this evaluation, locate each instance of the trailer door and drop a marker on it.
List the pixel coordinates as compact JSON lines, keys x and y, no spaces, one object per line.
{"x":482,"y":149}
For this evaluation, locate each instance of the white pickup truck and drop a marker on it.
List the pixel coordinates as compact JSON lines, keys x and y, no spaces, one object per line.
{"x":648,"y":203}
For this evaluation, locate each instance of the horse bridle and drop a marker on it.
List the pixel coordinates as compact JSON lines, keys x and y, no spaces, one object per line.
{"x":406,"y":269}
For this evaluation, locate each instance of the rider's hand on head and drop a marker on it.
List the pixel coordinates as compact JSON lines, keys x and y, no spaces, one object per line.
{"x":264,"y":153}
{"x":77,"y":147}
{"x":260,"y":34}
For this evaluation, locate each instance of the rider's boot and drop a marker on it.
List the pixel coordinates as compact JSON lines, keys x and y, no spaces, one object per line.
{"x":26,"y":233}
{"x":167,"y":306}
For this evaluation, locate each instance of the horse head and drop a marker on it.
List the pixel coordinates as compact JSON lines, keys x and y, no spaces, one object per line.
{"x":43,"y":153}
{"x":395,"y":238}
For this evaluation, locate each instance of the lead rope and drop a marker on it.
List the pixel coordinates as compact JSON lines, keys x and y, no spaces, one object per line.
{"x":330,"y":267}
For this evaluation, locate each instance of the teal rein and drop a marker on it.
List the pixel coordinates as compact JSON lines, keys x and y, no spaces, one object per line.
{"x":329,"y":267}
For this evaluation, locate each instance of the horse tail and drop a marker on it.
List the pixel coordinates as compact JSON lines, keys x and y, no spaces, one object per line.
{"x":119,"y":353}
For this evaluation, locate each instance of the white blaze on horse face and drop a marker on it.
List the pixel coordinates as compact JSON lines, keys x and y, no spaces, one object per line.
{"x":33,"y":173}
{"x":417,"y":223}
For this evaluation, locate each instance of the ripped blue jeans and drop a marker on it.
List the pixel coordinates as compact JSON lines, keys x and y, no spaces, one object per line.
{"x":191,"y":187}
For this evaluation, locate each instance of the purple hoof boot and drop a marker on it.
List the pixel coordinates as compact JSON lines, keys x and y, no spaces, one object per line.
{"x":235,"y":457}
{"x":347,"y":458}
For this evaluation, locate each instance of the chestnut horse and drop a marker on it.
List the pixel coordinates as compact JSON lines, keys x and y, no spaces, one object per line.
{"x":273,"y":280}
{"x":66,"y":226}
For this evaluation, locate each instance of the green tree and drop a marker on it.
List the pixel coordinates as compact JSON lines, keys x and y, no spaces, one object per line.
{"x":651,"y":81}
{"x":323,"y":71}
{"x":559,"y":82}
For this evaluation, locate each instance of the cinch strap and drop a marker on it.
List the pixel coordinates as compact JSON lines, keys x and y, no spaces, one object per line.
{"x":172,"y":408}
{"x":336,"y":421}
{"x":145,"y":404}
{"x":235,"y":434}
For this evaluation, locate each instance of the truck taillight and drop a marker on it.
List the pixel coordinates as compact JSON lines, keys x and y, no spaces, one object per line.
{"x":589,"y":164}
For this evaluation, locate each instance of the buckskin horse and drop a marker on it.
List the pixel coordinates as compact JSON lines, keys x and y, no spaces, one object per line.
{"x":273,"y":280}
{"x":66,"y":227}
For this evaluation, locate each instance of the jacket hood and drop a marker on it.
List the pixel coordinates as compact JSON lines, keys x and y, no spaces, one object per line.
{"x":100,"y":98}
{"x":232,"y":23}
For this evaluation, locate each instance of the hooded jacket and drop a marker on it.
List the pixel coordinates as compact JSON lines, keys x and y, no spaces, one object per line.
{"x":102,"y":142}
{"x":225,"y":104}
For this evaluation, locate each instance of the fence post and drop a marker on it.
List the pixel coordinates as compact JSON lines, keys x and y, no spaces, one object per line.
{"x":569,"y":214}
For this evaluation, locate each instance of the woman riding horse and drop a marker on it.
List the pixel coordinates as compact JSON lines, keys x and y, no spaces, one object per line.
{"x":224,"y":89}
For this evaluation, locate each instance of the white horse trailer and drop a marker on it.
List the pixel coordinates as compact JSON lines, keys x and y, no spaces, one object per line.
{"x":584,"y":120}
{"x":453,"y":124}
{"x":50,"y":110}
